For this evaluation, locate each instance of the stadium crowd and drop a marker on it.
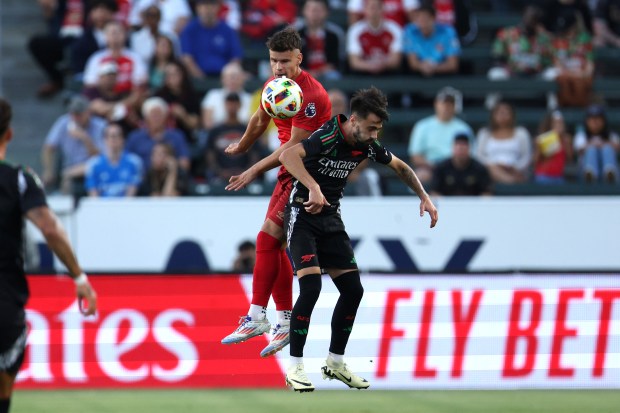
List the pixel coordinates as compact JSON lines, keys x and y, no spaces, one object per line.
{"x":140,"y":120}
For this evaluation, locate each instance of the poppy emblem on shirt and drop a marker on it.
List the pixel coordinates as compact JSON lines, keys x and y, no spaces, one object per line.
{"x":310,"y":110}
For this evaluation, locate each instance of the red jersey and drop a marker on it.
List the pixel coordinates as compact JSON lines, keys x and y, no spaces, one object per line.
{"x":315,"y":111}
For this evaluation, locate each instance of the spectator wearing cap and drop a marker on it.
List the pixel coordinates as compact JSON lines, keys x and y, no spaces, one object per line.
{"x":114,"y":172}
{"x":219,"y":165}
{"x":208,"y":43}
{"x":212,"y":106}
{"x":597,"y":147}
{"x":155,"y":112}
{"x":431,"y":48}
{"x":504,"y":147}
{"x":77,"y":136}
{"x":107,"y":102}
{"x":461,"y":175}
{"x":552,"y":149}
{"x":431,"y":138}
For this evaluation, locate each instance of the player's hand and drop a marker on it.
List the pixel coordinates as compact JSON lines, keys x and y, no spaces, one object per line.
{"x":427,"y":205}
{"x":86,"y":292}
{"x":237,"y":182}
{"x":233,"y":149}
{"x":316,"y":201}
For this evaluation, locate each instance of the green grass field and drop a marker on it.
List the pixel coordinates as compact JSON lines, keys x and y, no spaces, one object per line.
{"x":283,"y":401}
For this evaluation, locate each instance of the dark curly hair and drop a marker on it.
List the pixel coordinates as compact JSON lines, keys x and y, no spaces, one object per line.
{"x":6,"y":113}
{"x":367,"y":101}
{"x":285,"y":40}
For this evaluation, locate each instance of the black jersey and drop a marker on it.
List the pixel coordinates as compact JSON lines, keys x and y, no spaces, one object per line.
{"x":330,"y":159}
{"x":20,"y":191}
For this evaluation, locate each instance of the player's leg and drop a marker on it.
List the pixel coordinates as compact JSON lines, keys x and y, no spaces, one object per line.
{"x":266,"y":270}
{"x":337,"y":256}
{"x":303,"y":251}
{"x":12,"y":347}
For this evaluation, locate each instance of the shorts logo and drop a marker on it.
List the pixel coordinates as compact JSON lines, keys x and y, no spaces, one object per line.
{"x":307,"y":258}
{"x":310,"y":110}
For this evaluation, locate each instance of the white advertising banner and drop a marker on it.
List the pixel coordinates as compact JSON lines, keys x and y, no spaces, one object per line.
{"x":475,"y":332}
{"x":473,"y":234}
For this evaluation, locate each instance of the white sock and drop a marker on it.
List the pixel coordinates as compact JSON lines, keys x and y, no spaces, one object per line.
{"x":336,"y":358}
{"x":257,"y":312}
{"x":296,"y":360}
{"x":284,"y":317}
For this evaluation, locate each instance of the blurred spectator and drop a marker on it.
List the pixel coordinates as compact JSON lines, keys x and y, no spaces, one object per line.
{"x":164,"y":177}
{"x":521,"y":50}
{"x":262,"y":18}
{"x":79,"y":136}
{"x":143,"y":42}
{"x":182,"y":99}
{"x":597,"y":147}
{"x":246,"y":258}
{"x":66,"y":24}
{"x":430,"y":48}
{"x":100,"y":13}
{"x":212,"y":106}
{"x":458,"y":14}
{"x":132,"y":73}
{"x":374,"y":45}
{"x":607,"y":23}
{"x":175,"y":14}
{"x":461,"y":175}
{"x":115,"y":172}
{"x":340,"y":102}
{"x":164,"y":53}
{"x":552,"y":149}
{"x":155,"y":112}
{"x":208,"y":43}
{"x":504,"y":147}
{"x":221,"y":166}
{"x":432,"y":137}
{"x":573,"y":61}
{"x":555,"y":10}
{"x":322,"y":41}
{"x":107,"y":102}
{"x":394,"y":10}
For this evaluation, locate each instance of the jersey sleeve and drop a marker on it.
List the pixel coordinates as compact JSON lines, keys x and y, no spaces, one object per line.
{"x":30,"y":190}
{"x":322,"y":141}
{"x":379,"y":153}
{"x":313,"y":113}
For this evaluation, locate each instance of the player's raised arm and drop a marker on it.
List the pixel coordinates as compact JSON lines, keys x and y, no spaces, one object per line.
{"x":408,"y":176}
{"x":257,"y":125}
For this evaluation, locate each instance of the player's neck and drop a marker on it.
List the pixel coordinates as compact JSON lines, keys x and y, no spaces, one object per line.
{"x":347,"y":132}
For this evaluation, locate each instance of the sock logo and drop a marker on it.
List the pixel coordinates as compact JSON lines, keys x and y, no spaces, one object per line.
{"x":348,"y":329}
{"x":303,"y":318}
{"x":307,"y":257}
{"x":350,"y":317}
{"x":302,"y":332}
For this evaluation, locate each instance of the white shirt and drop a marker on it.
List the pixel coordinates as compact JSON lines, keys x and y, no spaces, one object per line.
{"x":215,"y":100}
{"x":515,"y":151}
{"x":171,"y":12}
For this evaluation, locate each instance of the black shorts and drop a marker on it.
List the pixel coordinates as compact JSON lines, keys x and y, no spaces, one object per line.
{"x":12,"y":347}
{"x":318,"y":240}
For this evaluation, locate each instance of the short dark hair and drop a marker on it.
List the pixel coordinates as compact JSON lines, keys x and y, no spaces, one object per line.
{"x":284,"y":40}
{"x":6,"y":113}
{"x":367,"y":101}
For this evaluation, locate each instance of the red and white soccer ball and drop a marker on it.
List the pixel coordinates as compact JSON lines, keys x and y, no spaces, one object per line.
{"x":282,"y":98}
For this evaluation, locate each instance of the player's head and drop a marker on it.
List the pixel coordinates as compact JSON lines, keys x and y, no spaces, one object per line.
{"x":285,"y":53}
{"x":368,"y":112}
{"x":6,"y":113}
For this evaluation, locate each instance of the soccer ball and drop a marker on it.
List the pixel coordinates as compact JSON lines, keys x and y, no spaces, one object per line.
{"x":282,"y":98}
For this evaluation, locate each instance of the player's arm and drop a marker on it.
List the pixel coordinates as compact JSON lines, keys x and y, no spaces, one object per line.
{"x":292,"y":159}
{"x":406,"y":174}
{"x":269,"y":162}
{"x":47,"y":222}
{"x":257,"y":125}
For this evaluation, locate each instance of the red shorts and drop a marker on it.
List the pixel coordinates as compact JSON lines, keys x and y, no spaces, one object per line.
{"x":278,"y":201}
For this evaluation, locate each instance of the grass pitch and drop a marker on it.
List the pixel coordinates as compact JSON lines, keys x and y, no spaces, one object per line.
{"x":284,"y":401}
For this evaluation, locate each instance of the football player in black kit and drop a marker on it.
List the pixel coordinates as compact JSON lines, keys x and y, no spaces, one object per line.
{"x":21,"y":195}
{"x":315,"y":232}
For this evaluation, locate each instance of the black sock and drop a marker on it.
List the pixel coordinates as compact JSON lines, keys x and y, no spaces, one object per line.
{"x":351,"y":292}
{"x":4,"y":405}
{"x":309,"y":290}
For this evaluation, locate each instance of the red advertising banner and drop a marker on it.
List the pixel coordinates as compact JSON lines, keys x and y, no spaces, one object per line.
{"x":150,"y":331}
